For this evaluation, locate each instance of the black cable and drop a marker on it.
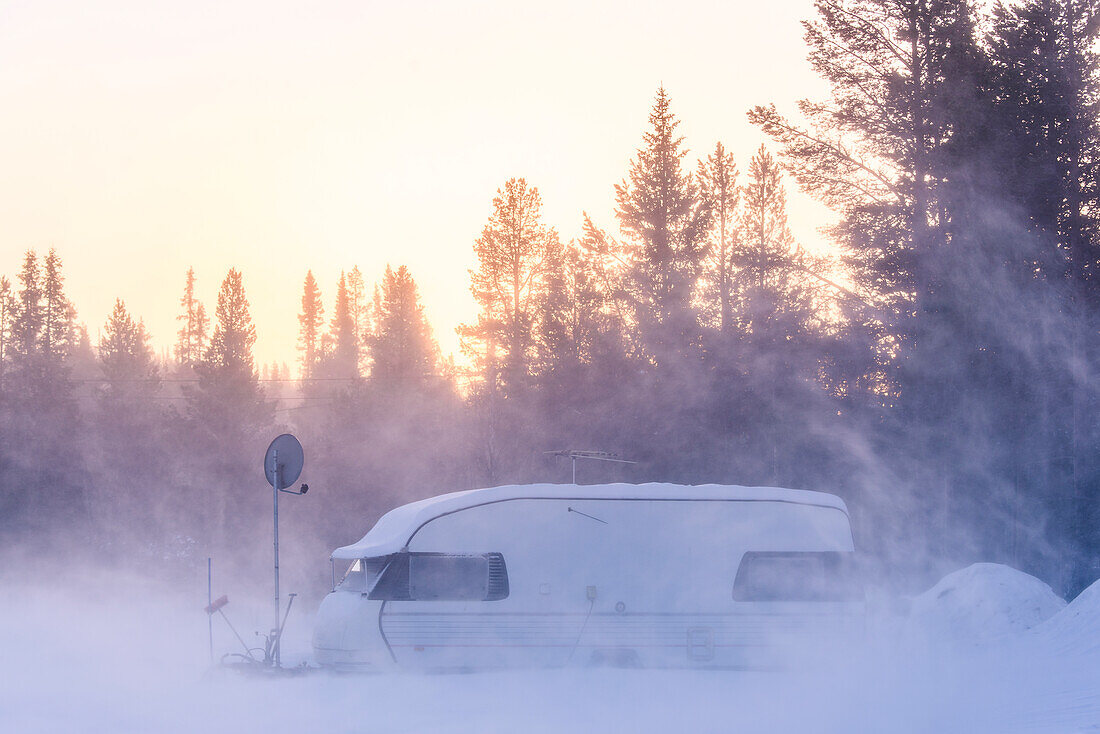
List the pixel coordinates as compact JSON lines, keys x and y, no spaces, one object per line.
{"x":591,"y":604}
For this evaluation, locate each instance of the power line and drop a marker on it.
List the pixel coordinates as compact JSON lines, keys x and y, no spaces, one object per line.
{"x":184,"y":397}
{"x":175,"y":380}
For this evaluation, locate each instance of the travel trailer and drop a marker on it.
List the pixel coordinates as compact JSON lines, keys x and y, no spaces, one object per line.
{"x":650,"y":575}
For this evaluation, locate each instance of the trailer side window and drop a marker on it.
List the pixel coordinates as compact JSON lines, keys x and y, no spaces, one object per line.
{"x":797,"y":576}
{"x":442,"y":577}
{"x":363,"y":573}
{"x":354,"y":578}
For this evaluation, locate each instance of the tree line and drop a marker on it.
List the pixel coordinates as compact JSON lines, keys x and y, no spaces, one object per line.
{"x":935,"y":366}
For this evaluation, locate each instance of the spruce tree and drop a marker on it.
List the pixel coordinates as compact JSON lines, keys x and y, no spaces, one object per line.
{"x":664,"y":221}
{"x":228,"y":416}
{"x":42,"y":333}
{"x":555,"y":346}
{"x":310,"y":322}
{"x":81,"y":360}
{"x":7,"y":314}
{"x":191,"y":338}
{"x":28,"y":322}
{"x":131,"y":461}
{"x":57,"y":312}
{"x":344,"y":361}
{"x":360,"y":307}
{"x":128,"y":417}
{"x":40,"y":416}
{"x":234,"y":334}
{"x":228,"y":400}
{"x":126,"y":357}
{"x":403,"y":348}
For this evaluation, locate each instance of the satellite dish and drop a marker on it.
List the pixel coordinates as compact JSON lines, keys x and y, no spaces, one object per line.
{"x":285,"y":450}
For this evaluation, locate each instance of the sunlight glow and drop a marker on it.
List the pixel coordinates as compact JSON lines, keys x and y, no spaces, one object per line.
{"x":140,"y":139}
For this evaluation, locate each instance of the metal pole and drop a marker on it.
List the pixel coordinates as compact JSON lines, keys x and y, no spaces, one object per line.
{"x":210,"y":603}
{"x":574,"y":461}
{"x":275,"y":494}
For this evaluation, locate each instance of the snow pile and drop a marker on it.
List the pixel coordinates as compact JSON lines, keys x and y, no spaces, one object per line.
{"x":983,"y":602}
{"x":1077,"y":627}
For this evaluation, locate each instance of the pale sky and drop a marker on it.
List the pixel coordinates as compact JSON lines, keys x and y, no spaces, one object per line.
{"x":141,"y":138}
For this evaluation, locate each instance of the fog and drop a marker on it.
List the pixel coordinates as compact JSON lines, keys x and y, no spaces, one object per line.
{"x":105,"y":654}
{"x":931,"y":361}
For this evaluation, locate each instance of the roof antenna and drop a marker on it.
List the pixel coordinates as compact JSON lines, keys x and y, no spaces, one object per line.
{"x":573,"y":455}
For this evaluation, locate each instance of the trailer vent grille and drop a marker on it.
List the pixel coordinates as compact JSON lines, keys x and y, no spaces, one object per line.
{"x":498,"y":578}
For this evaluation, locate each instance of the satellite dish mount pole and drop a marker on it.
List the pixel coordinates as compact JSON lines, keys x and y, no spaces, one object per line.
{"x":282,"y":466}
{"x":275,"y":493}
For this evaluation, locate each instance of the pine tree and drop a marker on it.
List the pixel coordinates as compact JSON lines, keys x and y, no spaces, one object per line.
{"x":908,"y":151}
{"x":577,"y":341}
{"x":876,"y":152}
{"x":555,"y":345}
{"x":508,"y":284}
{"x":717,"y":177}
{"x":903,"y":126}
{"x":191,"y":338}
{"x":1047,"y":87}
{"x":310,"y":322}
{"x":774,"y":308}
{"x":1047,"y":64}
{"x":664,"y":221}
{"x":770,"y":278}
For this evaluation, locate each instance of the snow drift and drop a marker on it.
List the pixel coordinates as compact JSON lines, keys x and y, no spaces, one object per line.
{"x":1077,"y":627}
{"x":982,"y":603}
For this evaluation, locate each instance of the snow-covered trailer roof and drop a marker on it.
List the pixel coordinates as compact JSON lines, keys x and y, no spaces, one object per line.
{"x":394,"y":529}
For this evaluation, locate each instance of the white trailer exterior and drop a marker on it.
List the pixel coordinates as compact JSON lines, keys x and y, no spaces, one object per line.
{"x":652,"y":575}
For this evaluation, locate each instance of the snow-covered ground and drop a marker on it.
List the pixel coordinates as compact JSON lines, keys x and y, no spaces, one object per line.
{"x":986,"y":650}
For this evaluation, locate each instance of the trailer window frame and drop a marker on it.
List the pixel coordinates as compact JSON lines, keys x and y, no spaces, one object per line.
{"x":407,"y":577}
{"x":832,"y":577}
